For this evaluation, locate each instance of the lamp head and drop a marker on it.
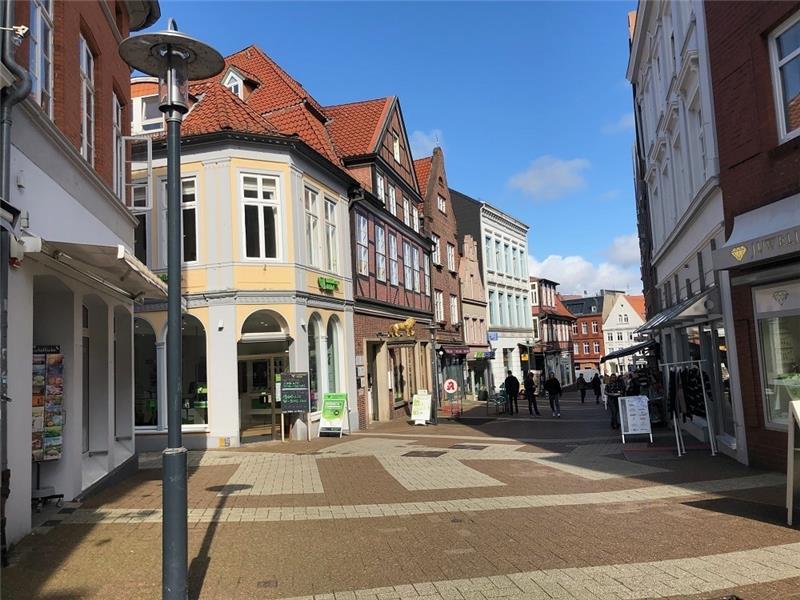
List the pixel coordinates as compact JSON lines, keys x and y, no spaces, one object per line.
{"x":175,"y":58}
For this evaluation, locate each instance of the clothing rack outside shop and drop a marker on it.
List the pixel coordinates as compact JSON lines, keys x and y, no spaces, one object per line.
{"x":678,"y":431}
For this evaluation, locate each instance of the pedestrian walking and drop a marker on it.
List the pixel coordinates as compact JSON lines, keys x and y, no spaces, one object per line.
{"x":597,"y":387}
{"x":582,"y":385}
{"x":530,"y":393}
{"x":553,"y":388}
{"x":614,"y":389}
{"x":512,"y":391}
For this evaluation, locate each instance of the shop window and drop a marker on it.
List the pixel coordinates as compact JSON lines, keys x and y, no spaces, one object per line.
{"x":195,"y":387}
{"x":333,"y":342}
{"x":146,"y":374}
{"x":780,"y":365}
{"x":313,"y":366}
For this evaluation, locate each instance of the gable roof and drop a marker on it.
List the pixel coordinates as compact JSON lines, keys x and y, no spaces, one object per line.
{"x":219,"y":109}
{"x":637,"y":302}
{"x":422,"y":167}
{"x":355,"y":127}
{"x":296,"y":120}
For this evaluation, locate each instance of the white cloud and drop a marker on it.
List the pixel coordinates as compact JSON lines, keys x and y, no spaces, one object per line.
{"x":548,"y":178}
{"x":576,"y":274}
{"x":624,"y":123}
{"x":423,"y":143}
{"x":624,"y":250}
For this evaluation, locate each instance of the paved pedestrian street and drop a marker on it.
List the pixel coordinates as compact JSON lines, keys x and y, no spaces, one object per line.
{"x":511,"y":507}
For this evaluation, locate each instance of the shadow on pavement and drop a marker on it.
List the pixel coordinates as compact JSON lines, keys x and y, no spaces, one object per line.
{"x":200,"y":563}
{"x":746,"y":509}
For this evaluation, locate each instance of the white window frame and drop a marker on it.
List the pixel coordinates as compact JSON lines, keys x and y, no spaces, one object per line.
{"x":427,"y":264}
{"x":86,"y":68}
{"x":451,"y":257}
{"x":392,"y":200}
{"x":415,"y":218}
{"x":453,"y":309}
{"x":140,"y":124}
{"x":396,"y":146}
{"x":381,"y":187}
{"x":610,"y":336}
{"x":489,"y":251}
{"x":594,"y":327}
{"x":260,"y":202}
{"x":146,"y":210}
{"x":437,"y":249}
{"x":380,"y":252}
{"x":233,"y":79}
{"x":41,"y":16}
{"x":438,"y":306}
{"x":584,"y":328}
{"x":441,"y":204}
{"x":574,"y":329}
{"x":118,"y":149}
{"x":586,"y":347}
{"x":311,"y":219}
{"x":406,"y":211}
{"x":576,"y":349}
{"x":777,"y":84}
{"x":415,"y":268}
{"x":362,"y":244}
{"x":407,"y":267}
{"x":596,"y":347}
{"x":393,"y":266}
{"x":194,"y":205}
{"x":331,"y":229}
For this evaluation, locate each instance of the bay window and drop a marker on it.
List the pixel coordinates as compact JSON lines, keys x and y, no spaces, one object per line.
{"x":362,"y":240}
{"x":261,"y":216}
{"x":380,"y":253}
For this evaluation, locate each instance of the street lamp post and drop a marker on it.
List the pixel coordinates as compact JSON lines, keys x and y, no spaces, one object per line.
{"x":434,"y":375}
{"x":175,"y":59}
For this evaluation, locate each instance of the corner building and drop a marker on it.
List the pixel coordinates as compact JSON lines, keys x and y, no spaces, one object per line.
{"x":266,"y":270}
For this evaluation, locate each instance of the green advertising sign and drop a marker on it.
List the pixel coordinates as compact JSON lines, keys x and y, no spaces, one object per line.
{"x":334,"y":411}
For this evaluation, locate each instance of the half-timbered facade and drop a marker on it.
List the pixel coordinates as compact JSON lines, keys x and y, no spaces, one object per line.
{"x":391,"y":258}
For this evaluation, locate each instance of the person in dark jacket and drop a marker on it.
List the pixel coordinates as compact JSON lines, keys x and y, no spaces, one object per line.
{"x":597,"y":387}
{"x":553,"y":388}
{"x":582,"y":385}
{"x":614,"y":389}
{"x":530,"y":393}
{"x":512,"y":391}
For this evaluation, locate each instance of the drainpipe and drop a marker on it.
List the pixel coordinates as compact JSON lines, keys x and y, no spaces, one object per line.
{"x":10,"y":96}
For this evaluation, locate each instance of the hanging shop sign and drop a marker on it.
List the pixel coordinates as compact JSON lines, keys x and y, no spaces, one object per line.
{"x":421,"y":408}
{"x":450,"y":386}
{"x":47,"y":399}
{"x":334,"y":410}
{"x":294,"y":394}
{"x":328,"y":284}
{"x":634,"y":416}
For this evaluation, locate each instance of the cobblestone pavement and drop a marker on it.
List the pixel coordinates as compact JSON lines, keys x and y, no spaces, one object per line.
{"x":511,"y":508}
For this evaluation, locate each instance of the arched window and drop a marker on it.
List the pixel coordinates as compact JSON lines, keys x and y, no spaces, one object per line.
{"x":194,"y":381}
{"x":334,"y":378}
{"x":313,"y":362}
{"x":145,"y":374}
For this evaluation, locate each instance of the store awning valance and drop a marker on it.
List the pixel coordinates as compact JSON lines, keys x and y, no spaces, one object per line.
{"x":769,"y":232}
{"x":702,"y":305}
{"x":628,"y":351}
{"x":456,"y":350}
{"x":112,"y":266}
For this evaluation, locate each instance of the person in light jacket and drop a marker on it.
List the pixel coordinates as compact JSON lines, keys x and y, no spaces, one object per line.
{"x":553,"y":388}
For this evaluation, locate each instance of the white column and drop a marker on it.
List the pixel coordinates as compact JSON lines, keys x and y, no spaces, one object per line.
{"x":322,"y":360}
{"x":223,"y":380}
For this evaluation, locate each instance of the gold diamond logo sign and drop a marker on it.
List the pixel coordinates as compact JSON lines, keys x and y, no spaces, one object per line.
{"x":780,"y":296}
{"x":739,"y":252}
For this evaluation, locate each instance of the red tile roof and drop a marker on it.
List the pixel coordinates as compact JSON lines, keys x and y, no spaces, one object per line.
{"x":355,"y":127}
{"x":561,"y":310}
{"x":219,"y":109}
{"x":637,"y":302}
{"x":422,"y":167}
{"x":296,"y":120}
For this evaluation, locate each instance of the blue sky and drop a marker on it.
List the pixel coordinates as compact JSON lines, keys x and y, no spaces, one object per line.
{"x":529,"y":101}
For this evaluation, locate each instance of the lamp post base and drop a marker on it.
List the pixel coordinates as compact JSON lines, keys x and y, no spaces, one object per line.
{"x":174,"y":525}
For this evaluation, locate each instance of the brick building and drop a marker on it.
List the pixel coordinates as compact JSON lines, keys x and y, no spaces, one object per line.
{"x":552,"y":326}
{"x":440,"y":224}
{"x":752,"y":50}
{"x":73,"y":279}
{"x":587,"y":331}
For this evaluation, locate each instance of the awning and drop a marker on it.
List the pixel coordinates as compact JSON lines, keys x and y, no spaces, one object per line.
{"x":112,"y":266}
{"x":769,"y":232}
{"x":704,"y":304}
{"x":628,"y":351}
{"x":456,"y":350}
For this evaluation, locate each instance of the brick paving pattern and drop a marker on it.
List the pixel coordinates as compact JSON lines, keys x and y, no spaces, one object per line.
{"x":528,"y":508}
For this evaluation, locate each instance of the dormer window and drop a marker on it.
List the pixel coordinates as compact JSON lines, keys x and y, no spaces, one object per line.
{"x":234,"y":83}
{"x":147,"y":117}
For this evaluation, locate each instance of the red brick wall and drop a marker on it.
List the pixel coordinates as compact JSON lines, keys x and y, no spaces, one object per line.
{"x":443,"y":225}
{"x":755,"y":169}
{"x":87,"y":17}
{"x":365,"y":329}
{"x":590,"y":338}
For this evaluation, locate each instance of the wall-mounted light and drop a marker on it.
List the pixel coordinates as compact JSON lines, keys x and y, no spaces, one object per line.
{"x":220,"y":325}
